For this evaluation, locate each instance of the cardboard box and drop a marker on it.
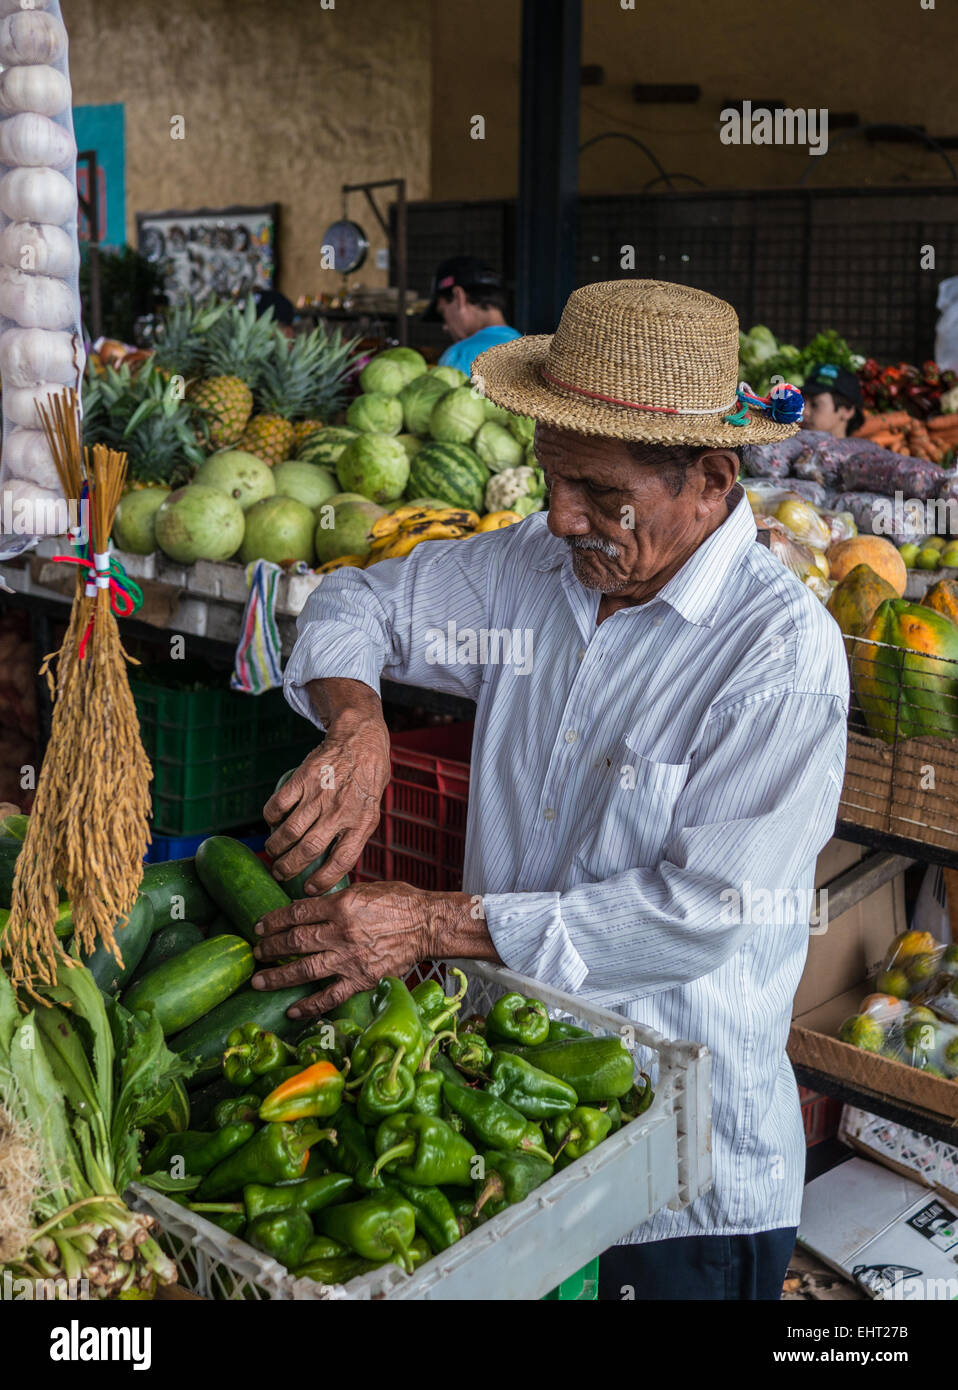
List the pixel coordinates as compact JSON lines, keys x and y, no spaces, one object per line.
{"x":841,"y":965}
{"x":891,"y":1235}
{"x":928,"y":1161}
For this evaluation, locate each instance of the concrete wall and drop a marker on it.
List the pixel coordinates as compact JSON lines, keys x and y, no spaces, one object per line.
{"x":283,"y":103}
{"x":886,"y":60}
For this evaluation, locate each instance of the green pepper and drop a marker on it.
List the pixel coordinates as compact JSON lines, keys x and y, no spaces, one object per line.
{"x":252,"y":1052}
{"x":471,"y":1054}
{"x":282,"y":1234}
{"x":200,"y":1150}
{"x":353,"y":1153}
{"x":396,"y":1023}
{"x":435,"y":1218}
{"x":509,"y":1178}
{"x":535,"y":1093}
{"x":514,"y":1018}
{"x":309,"y":1195}
{"x":378,"y":1227}
{"x":613,"y":1109}
{"x":424,"y":1151}
{"x":337,"y":1270}
{"x":232,"y":1222}
{"x":494,"y":1123}
{"x":427,"y":1099}
{"x":388,"y":1088}
{"x":237,"y":1108}
{"x":562,"y":1032}
{"x":596,"y":1068}
{"x":262,"y":1085}
{"x":330,"y":1042}
{"x":462,"y":1208}
{"x":275,"y":1153}
{"x":579,"y":1132}
{"x":323,"y":1248}
{"x":448,"y":1070}
{"x":312,"y":1094}
{"x":357,"y":1009}
{"x":435,"y":1008}
{"x":638,"y":1100}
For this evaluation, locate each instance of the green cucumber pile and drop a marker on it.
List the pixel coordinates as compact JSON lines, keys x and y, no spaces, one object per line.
{"x":390,"y":1128}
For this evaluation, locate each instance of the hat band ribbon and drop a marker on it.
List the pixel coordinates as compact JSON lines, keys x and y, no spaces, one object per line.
{"x":635,"y":405}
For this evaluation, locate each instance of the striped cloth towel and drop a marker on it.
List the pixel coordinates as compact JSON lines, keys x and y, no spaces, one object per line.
{"x":258,"y":664}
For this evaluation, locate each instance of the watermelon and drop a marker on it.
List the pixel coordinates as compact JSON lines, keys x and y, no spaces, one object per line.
{"x":453,"y":472}
{"x":325,"y":446}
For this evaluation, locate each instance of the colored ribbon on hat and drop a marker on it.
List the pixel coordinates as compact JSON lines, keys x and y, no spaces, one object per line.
{"x":784,"y":404}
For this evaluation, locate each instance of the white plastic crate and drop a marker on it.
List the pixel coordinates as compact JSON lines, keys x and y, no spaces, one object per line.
{"x":662,"y":1159}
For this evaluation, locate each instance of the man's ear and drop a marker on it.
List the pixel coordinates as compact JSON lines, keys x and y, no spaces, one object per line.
{"x":720,"y":469}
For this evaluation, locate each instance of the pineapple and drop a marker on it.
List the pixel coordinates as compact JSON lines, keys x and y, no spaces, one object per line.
{"x":302,"y":430}
{"x":181,"y":336}
{"x":160,"y":443}
{"x":234,"y":353}
{"x":284,"y":392}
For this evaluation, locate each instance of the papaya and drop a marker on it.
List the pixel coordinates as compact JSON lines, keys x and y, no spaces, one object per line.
{"x":855,"y":599}
{"x":874,"y":551}
{"x":907,"y":686}
{"x":943,"y":598}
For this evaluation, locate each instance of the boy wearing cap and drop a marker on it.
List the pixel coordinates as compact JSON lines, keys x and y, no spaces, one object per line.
{"x":657,"y":758}
{"x":833,"y":401}
{"x":469,"y":299}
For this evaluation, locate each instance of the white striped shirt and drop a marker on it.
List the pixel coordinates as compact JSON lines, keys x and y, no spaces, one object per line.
{"x":638,"y":774}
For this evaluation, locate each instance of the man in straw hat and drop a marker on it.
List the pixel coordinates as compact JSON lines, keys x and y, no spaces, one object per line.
{"x":657,"y":759}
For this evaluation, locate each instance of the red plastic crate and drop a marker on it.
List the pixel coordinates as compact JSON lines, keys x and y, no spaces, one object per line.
{"x":820,"y":1116}
{"x":421,"y":837}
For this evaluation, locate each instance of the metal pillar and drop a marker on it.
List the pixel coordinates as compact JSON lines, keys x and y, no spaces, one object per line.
{"x":548,"y":161}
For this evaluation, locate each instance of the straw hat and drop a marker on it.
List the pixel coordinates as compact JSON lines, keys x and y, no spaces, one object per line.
{"x":638,"y":359}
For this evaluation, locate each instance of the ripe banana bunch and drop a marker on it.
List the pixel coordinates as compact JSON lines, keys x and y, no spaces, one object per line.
{"x":398,"y":532}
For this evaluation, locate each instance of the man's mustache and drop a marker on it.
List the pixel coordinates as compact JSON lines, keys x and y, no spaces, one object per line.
{"x":593,"y":543}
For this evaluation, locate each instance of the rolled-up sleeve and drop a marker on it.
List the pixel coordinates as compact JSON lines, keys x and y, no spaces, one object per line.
{"x":759,"y":804}
{"x":399,"y":619}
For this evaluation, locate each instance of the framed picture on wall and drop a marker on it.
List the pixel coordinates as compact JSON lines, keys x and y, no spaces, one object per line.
{"x":224,"y":251}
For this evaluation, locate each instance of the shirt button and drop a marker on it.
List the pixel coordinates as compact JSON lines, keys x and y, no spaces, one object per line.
{"x":571,"y":735}
{"x":581,"y":653}
{"x":549,"y":813}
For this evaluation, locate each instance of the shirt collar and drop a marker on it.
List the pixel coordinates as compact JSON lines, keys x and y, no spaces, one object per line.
{"x":696,"y":591}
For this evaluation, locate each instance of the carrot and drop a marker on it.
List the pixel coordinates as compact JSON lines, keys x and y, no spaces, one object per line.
{"x":885,"y":440}
{"x":946,"y":423}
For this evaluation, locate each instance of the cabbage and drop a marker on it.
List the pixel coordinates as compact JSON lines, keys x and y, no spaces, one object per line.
{"x":496,"y":412}
{"x":375,"y":413}
{"x":412,"y":361}
{"x":384,"y":377}
{"x":457,"y":416}
{"x":410,"y":443}
{"x":452,"y":376}
{"x":497,"y":448}
{"x":505,"y":491}
{"x":523,"y":428}
{"x":417,"y":401}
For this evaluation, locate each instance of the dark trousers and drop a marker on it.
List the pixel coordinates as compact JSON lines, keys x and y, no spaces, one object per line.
{"x":731,"y":1268}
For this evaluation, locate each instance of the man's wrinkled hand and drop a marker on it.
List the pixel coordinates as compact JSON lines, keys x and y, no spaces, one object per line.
{"x":360,"y":934}
{"x":333,"y":796}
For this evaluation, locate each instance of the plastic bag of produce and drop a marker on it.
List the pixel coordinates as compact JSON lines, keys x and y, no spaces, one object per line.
{"x":840,"y":524}
{"x":41,"y":347}
{"x":946,"y":333}
{"x":905,"y":1032}
{"x":941,"y":993}
{"x":879,"y":470}
{"x":911,"y":963}
{"x":877,"y":515}
{"x":771,"y":460}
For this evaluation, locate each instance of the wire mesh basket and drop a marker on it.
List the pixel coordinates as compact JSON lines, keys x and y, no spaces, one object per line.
{"x":901,"y":771}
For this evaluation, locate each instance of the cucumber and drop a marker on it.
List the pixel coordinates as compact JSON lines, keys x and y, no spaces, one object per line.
{"x":132,"y":939}
{"x":165,"y":944}
{"x":177,"y":895}
{"x":238,"y":882}
{"x":295,"y":887}
{"x":63,"y":926}
{"x":205,"y":1042}
{"x":183,"y":989}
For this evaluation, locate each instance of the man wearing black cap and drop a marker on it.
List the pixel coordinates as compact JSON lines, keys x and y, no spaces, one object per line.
{"x":469,"y":298}
{"x":833,"y":401}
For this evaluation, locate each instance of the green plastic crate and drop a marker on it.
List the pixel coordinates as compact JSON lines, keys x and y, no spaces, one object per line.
{"x":581,"y":1286}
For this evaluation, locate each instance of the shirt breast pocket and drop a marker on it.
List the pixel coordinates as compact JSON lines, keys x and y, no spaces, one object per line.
{"x":631,"y":823}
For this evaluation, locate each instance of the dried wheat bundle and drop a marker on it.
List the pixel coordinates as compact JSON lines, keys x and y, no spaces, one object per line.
{"x":89,"y":823}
